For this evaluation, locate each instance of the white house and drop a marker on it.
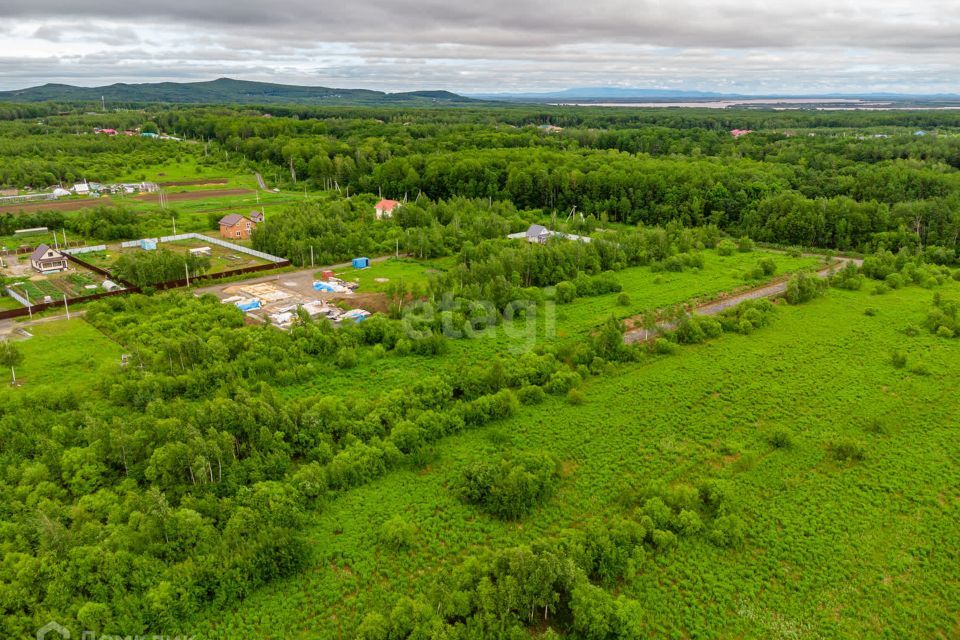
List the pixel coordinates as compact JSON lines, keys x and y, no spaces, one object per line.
{"x":81,"y":188}
{"x":46,"y":259}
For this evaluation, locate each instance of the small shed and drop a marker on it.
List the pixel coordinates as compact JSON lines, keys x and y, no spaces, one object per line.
{"x":148,"y":244}
{"x":361,"y":263}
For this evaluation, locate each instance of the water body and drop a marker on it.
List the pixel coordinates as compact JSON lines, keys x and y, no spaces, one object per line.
{"x":822,"y":104}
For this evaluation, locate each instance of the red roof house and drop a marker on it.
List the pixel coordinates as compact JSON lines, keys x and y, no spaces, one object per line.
{"x":385,"y":208}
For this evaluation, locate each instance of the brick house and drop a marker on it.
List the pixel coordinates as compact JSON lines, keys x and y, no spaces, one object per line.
{"x":234,"y":226}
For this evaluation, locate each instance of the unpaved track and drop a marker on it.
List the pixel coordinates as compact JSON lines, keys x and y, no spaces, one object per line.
{"x":9,"y":328}
{"x":194,"y":195}
{"x":772,"y":290}
{"x":67,"y":205}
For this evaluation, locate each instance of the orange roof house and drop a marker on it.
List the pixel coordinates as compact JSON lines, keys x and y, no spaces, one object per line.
{"x":385,"y":208}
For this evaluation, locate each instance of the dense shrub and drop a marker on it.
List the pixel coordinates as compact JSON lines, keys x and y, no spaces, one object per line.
{"x":398,"y":534}
{"x":562,"y":381}
{"x":848,"y":278}
{"x":898,"y":359}
{"x":512,"y":487}
{"x":531,"y":394}
{"x":942,"y":318}
{"x":804,"y":287}
{"x":847,"y":450}
{"x":566,"y":292}
{"x":726,"y":247}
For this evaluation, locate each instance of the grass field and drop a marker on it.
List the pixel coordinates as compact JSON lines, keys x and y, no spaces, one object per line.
{"x":381,"y":275}
{"x":7,"y":303}
{"x":835,"y":549}
{"x":648,"y":290}
{"x":66,"y":354}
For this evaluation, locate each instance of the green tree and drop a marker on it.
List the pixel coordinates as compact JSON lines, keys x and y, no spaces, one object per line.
{"x":10,"y":356}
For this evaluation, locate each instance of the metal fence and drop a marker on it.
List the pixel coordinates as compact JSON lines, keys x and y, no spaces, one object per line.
{"x":37,"y":308}
{"x":202,"y":238}
{"x":72,"y":254}
{"x":19,"y":298}
{"x":81,"y":250}
{"x":173,"y":284}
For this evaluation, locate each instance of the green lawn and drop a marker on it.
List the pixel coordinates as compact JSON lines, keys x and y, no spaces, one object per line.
{"x":648,"y":290}
{"x":381,"y":275}
{"x":833,"y":549}
{"x":7,"y":303}
{"x":65,"y":354}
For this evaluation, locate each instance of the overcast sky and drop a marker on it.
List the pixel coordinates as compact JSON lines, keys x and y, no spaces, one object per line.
{"x":746,"y":46}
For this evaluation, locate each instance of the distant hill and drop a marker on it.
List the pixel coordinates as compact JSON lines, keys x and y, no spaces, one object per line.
{"x":226,"y":91}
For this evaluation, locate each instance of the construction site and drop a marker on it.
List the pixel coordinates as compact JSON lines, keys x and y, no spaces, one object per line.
{"x":276,"y":299}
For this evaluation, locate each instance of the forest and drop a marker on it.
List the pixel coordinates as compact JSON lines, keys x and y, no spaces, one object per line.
{"x":489,"y":457}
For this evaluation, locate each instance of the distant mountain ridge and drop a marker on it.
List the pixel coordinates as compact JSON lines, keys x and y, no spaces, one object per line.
{"x":226,"y":91}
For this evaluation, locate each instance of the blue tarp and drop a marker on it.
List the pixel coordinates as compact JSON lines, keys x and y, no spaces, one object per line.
{"x":323,"y":286}
{"x":148,"y":245}
{"x":248,"y":306}
{"x":361,"y":263}
{"x":354,"y":314}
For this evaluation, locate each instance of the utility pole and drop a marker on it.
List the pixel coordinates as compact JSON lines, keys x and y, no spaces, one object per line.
{"x":174,"y":219}
{"x":311,"y":257}
{"x":66,"y":306}
{"x":186,"y":269}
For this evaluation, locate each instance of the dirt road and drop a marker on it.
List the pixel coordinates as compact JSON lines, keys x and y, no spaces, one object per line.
{"x":66,"y":205}
{"x":771,"y":290}
{"x":14,"y":329}
{"x":194,"y":195}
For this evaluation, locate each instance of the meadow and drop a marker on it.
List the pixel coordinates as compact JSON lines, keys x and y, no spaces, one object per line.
{"x":238,"y":481}
{"x":66,"y":354}
{"x":835,"y":547}
{"x":554,"y":324}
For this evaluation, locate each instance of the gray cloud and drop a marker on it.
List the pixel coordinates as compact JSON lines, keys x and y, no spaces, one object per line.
{"x":802,"y":45}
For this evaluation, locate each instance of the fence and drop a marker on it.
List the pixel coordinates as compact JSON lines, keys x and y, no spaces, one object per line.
{"x":172,"y":284}
{"x":81,"y":250}
{"x":275,"y":263}
{"x":103,"y":272}
{"x":202,"y":238}
{"x":19,"y":298}
{"x":37,"y":308}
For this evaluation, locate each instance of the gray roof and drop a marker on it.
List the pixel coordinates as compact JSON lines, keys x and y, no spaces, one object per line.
{"x":537,"y":230}
{"x":39,"y":252}
{"x":231,"y":219}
